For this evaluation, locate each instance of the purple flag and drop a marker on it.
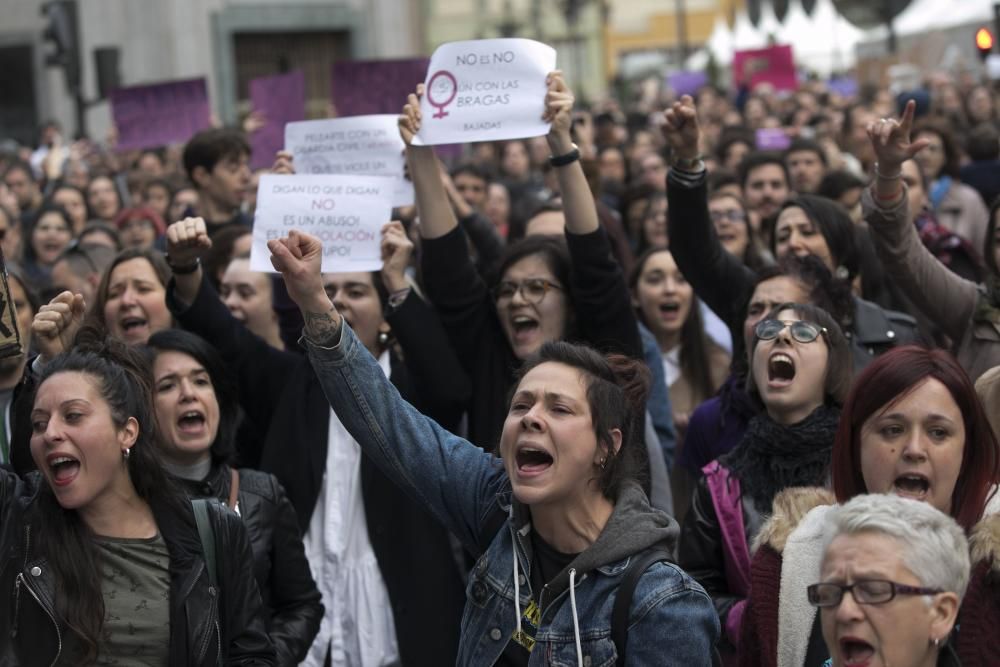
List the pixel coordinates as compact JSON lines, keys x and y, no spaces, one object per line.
{"x":363,"y":87}
{"x":845,"y":86}
{"x":687,"y":83}
{"x":160,"y":113}
{"x":281,"y":99}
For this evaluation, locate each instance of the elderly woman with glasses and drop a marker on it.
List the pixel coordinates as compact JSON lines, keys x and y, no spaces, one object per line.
{"x":800,"y":371}
{"x":893,"y":575}
{"x":912,"y":426}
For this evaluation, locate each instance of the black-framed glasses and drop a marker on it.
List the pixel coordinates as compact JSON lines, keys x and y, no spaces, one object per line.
{"x":802,"y":331}
{"x":732,"y":215}
{"x":533,"y":290}
{"x":866,"y":591}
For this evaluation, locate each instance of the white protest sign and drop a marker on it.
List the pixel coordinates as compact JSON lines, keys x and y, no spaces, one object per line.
{"x":485,"y":90}
{"x":346,"y":213}
{"x":367,"y":145}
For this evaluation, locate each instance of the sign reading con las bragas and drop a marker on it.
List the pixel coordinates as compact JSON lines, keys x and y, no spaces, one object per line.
{"x":485,"y":90}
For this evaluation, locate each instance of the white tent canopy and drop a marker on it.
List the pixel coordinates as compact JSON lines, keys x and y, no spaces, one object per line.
{"x":922,"y":15}
{"x":823,"y":42}
{"x":720,"y":43}
{"x":745,"y":36}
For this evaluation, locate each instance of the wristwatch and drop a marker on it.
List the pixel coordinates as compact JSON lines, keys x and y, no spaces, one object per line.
{"x":689,"y":164}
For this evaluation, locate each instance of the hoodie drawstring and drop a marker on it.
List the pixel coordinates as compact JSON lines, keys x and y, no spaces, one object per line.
{"x":517,"y":588}
{"x":576,"y":621}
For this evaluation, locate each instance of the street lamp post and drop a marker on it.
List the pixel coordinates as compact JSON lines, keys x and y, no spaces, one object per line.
{"x":680,"y":16}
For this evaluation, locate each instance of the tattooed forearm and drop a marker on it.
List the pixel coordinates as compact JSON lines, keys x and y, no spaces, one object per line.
{"x":322,"y":328}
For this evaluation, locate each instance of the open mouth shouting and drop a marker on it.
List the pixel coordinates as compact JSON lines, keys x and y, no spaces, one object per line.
{"x":780,"y":370}
{"x":523,"y":328}
{"x":856,"y":652}
{"x":670,"y":311}
{"x":191,"y":423}
{"x":531,"y":461}
{"x":912,"y":485}
{"x":63,"y":469}
{"x":134,"y":327}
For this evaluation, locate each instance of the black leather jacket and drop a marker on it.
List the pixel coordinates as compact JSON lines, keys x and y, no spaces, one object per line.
{"x":292,"y":603}
{"x":700,"y":550}
{"x":208,"y":626}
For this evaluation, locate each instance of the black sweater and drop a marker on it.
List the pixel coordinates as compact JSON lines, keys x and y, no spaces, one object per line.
{"x":603,"y":315}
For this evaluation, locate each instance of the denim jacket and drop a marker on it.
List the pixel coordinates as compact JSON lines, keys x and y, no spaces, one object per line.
{"x":671,"y":621}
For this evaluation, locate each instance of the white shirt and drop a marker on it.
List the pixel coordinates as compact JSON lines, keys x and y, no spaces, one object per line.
{"x":358,"y":626}
{"x":716,"y":328}
{"x":671,"y":365}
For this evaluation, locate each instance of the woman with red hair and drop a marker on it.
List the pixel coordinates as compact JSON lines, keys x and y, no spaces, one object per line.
{"x":912,"y":426}
{"x":140,"y":227}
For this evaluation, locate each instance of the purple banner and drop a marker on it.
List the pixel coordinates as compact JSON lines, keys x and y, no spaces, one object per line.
{"x":280,"y":99}
{"x":846,"y":86}
{"x":159,"y":114}
{"x":772,"y":139}
{"x":687,"y":83}
{"x":362,"y":87}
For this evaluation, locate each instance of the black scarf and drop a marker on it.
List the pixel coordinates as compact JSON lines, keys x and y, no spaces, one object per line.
{"x":773,"y":457}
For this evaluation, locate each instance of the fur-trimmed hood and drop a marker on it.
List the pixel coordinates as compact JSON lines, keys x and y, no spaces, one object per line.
{"x":984,"y":540}
{"x":790,"y":506}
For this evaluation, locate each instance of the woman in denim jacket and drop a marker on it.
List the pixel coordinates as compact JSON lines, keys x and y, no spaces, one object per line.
{"x":555,"y":523}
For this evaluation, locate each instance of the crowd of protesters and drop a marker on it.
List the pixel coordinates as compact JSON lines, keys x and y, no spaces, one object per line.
{"x":634,"y":392}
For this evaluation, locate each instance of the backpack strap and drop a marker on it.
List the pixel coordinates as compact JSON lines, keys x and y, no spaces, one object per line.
{"x":623,"y":599}
{"x":234,"y":490}
{"x":207,"y":536}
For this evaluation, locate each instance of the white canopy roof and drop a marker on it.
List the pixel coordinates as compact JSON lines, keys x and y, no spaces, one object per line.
{"x":823,"y":42}
{"x":923,"y":15}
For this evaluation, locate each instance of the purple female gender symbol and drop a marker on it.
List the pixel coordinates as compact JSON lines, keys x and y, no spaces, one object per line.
{"x":442,"y":84}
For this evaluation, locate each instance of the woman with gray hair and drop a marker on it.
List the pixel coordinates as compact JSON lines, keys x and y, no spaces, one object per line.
{"x":906,"y":565}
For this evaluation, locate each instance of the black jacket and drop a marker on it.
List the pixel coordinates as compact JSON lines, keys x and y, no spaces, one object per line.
{"x":292,"y":603}
{"x":206,"y":625}
{"x":282,"y":395}
{"x":700,"y":551}
{"x":601,"y":303}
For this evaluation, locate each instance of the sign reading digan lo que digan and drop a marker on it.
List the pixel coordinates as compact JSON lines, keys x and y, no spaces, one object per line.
{"x":364,"y":145}
{"x":346,"y":213}
{"x":485,"y":90}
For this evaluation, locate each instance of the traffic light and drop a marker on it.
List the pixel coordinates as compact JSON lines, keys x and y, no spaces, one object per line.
{"x":62,"y":32}
{"x":984,"y":42}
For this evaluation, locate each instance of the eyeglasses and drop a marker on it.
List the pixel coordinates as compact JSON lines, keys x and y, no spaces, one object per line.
{"x":803,"y":332}
{"x":732,"y":215}
{"x":533,"y":290}
{"x":868,"y":591}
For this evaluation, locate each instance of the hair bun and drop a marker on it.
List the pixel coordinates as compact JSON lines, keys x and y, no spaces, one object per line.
{"x":633,"y":376}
